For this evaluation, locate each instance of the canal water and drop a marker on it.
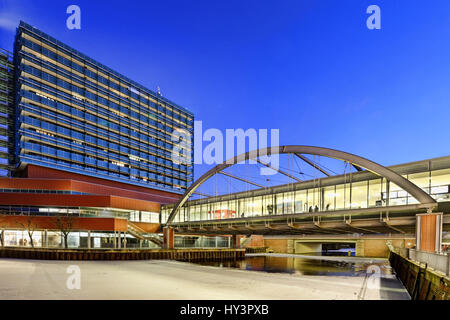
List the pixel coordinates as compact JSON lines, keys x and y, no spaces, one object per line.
{"x":305,"y":266}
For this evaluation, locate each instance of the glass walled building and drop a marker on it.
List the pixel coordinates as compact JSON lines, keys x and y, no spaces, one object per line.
{"x":75,"y":114}
{"x":6,"y":103}
{"x":81,"y":143}
{"x":359,"y":190}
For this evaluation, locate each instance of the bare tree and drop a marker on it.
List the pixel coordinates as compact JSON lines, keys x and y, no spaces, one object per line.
{"x":2,"y":232}
{"x":65,"y":224}
{"x":29,"y":226}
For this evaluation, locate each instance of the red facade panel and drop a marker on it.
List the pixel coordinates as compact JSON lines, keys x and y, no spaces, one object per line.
{"x":43,"y":184}
{"x":134,"y":204}
{"x":50,"y":223}
{"x":72,"y":200}
{"x":72,"y":185}
{"x":124,"y":189}
{"x":148,"y":227}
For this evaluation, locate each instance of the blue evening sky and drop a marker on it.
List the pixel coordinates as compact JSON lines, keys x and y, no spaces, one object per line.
{"x":309,"y":68}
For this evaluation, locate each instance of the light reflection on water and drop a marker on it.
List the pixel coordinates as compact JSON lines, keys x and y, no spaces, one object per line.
{"x":301,"y":266}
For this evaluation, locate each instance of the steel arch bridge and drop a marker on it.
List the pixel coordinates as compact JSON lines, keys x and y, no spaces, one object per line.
{"x":358,"y":162}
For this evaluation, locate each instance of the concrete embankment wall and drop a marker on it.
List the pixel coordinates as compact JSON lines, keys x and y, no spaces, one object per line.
{"x":177,"y":254}
{"x":421,"y":283}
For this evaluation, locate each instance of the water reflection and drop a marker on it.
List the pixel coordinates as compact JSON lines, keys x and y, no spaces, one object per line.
{"x":301,"y":266}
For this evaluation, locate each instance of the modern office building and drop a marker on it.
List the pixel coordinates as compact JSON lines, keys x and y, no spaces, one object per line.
{"x":6,"y":104}
{"x":83,"y":144}
{"x":74,"y":114}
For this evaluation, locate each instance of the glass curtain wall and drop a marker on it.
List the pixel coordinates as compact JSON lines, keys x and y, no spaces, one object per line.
{"x":352,"y":195}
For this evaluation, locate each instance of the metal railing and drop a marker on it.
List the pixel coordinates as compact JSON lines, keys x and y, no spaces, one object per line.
{"x":141,"y":234}
{"x":439,"y":262}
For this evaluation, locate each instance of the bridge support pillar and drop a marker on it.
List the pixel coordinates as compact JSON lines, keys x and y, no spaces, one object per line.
{"x":236,"y":241}
{"x":168,"y":238}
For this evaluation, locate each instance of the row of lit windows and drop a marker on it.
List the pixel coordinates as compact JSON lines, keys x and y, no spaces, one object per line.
{"x":5,"y":105}
{"x":145,"y":160}
{"x":77,"y":130}
{"x":99,"y":146}
{"x":144,"y":119}
{"x":126,"y":131}
{"x":89,"y":110}
{"x":6,"y":190}
{"x":134,"y":140}
{"x":141,"y":216}
{"x":165,"y":183}
{"x":364,"y":194}
{"x":125,"y":90}
{"x":124,"y":110}
{"x":58,"y":154}
{"x":114,"y":84}
{"x":85,"y":133}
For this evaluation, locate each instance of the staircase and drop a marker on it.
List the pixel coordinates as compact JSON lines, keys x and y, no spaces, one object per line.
{"x":246,"y":241}
{"x":140,"y":234}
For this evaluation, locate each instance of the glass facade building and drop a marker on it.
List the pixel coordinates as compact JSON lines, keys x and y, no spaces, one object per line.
{"x":6,"y":103}
{"x":74,"y":114}
{"x":360,"y":190}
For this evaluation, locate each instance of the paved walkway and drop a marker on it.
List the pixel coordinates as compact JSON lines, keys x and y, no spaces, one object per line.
{"x":160,"y":279}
